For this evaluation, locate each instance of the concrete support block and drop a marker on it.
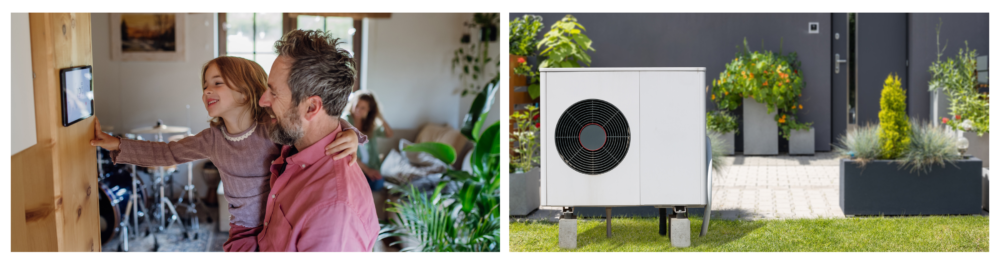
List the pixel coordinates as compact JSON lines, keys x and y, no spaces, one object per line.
{"x":680,"y":232}
{"x":567,"y":233}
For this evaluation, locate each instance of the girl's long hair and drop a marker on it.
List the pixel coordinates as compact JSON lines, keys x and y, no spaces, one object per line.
{"x":245,"y":77}
{"x":366,"y":126}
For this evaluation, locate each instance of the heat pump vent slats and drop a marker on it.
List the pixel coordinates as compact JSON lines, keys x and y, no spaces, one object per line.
{"x":592,"y":136}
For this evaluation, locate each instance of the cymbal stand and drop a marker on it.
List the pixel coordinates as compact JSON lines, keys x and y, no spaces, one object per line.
{"x":164,"y":201}
{"x":132,"y":209}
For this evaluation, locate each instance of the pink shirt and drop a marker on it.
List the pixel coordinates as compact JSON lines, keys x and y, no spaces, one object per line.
{"x":318,"y":204}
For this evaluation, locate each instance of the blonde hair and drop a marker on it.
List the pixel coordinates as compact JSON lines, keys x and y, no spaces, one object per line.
{"x":242,"y":76}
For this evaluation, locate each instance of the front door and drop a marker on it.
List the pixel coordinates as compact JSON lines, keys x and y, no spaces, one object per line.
{"x":881,"y":50}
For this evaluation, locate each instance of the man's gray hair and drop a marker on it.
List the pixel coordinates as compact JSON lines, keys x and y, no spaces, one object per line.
{"x":319,"y":68}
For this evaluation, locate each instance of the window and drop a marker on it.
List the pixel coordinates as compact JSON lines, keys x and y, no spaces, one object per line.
{"x":252,"y":36}
{"x":339,"y":27}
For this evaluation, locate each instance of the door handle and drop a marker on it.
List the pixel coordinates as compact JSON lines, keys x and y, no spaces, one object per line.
{"x":836,"y":63}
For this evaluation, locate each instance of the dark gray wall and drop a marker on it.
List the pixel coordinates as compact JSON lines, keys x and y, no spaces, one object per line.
{"x":710,"y":40}
{"x":956,"y":30}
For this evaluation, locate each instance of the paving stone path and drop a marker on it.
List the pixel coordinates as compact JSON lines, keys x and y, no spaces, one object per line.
{"x":777,"y":187}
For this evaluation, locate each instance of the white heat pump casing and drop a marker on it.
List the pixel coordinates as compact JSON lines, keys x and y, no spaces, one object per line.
{"x":665,"y":162}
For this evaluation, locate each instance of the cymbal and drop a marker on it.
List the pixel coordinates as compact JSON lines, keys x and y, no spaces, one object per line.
{"x":161,"y":129}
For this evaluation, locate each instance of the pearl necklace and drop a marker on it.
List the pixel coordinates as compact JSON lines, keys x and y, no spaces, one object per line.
{"x":238,"y":138}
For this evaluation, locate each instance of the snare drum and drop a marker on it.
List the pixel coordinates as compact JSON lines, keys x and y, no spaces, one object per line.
{"x":116,"y":193}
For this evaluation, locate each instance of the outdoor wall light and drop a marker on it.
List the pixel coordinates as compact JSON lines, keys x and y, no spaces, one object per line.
{"x":813,"y":27}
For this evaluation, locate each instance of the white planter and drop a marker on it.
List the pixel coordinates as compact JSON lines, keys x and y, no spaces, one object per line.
{"x":939,"y":105}
{"x":760,"y":130}
{"x":729,"y":142}
{"x":524,"y":192}
{"x":979,"y":146}
{"x":802,"y":142}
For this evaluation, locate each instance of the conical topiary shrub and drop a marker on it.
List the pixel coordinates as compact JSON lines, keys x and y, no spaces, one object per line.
{"x":894,"y":127}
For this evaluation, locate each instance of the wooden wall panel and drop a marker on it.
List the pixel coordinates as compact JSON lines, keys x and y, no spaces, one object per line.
{"x":57,"y":176}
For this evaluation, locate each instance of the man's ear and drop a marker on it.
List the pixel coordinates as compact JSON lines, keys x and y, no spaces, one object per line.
{"x":314,"y":107}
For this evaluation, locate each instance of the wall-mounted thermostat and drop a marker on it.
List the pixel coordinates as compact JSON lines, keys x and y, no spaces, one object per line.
{"x":813,"y":27}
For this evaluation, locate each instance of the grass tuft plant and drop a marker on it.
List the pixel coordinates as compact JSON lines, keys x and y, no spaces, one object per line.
{"x":929,"y":145}
{"x":718,"y":151}
{"x":862,"y":144}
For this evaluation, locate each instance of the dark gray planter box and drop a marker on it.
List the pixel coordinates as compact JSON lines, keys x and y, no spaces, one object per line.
{"x":802,"y":142}
{"x":760,"y":130}
{"x":881,"y":187}
{"x":729,"y":142}
{"x":524,"y":192}
{"x":979,"y":146}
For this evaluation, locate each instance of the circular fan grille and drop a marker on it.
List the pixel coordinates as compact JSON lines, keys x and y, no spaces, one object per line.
{"x":592,"y":136}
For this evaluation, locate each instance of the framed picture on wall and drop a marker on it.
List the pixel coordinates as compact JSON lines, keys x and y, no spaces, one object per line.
{"x":148,"y":37}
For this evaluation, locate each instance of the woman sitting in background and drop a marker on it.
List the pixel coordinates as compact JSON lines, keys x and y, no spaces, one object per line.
{"x":362,"y":114}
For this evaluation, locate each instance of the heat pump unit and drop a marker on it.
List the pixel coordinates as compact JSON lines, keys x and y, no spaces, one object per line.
{"x":614,"y":137}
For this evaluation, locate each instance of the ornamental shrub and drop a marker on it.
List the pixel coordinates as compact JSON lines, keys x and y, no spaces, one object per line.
{"x":894,"y":128}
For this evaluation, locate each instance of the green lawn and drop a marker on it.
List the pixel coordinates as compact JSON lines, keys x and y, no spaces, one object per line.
{"x":936,"y":233}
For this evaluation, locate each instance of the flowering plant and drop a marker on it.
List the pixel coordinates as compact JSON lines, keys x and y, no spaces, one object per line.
{"x":523,"y":135}
{"x":766,"y":77}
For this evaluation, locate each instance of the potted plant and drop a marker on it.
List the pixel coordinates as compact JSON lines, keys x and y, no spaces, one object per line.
{"x":724,"y":124}
{"x":525,"y":177}
{"x":768,"y":85}
{"x":523,"y":76}
{"x":899,"y":167}
{"x":488,"y":25}
{"x":969,"y":108}
{"x":565,"y":46}
{"x":472,"y":58}
{"x":942,"y":72}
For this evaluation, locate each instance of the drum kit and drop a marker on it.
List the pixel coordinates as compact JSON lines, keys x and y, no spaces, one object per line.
{"x":124,"y":197}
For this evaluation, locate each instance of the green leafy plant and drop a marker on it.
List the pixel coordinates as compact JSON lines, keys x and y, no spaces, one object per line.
{"x":966,"y":100}
{"x":929,"y":145}
{"x":766,"y":77}
{"x":523,"y":32}
{"x":941,"y":71}
{"x":565,"y":45}
{"x":523,"y":136}
{"x":894,"y":129}
{"x":473,"y":57}
{"x":473,"y":123}
{"x":861,"y":144}
{"x":721,"y":122}
{"x":466,"y":220}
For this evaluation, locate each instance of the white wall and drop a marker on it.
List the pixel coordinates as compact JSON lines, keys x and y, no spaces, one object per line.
{"x":408,"y":66}
{"x":22,"y":122}
{"x":129,"y":95}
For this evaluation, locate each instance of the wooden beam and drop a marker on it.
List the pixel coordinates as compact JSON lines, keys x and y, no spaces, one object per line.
{"x":58,"y":176}
{"x":356,"y":16}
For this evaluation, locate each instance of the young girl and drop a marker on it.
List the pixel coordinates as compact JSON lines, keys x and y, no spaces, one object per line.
{"x":363,"y":114}
{"x":237,"y":143}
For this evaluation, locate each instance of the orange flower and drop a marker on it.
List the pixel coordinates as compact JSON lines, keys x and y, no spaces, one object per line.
{"x":800,"y":106}
{"x":520,"y":60}
{"x":744,"y":73}
{"x":727,"y":93}
{"x":713,"y":96}
{"x":782,"y":120}
{"x":751,"y":75}
{"x":765,"y":82}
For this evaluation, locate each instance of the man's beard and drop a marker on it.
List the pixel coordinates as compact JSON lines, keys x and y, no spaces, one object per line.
{"x":286,"y":131}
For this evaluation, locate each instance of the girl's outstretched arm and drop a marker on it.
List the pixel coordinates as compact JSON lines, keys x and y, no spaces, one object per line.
{"x":148,"y":153}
